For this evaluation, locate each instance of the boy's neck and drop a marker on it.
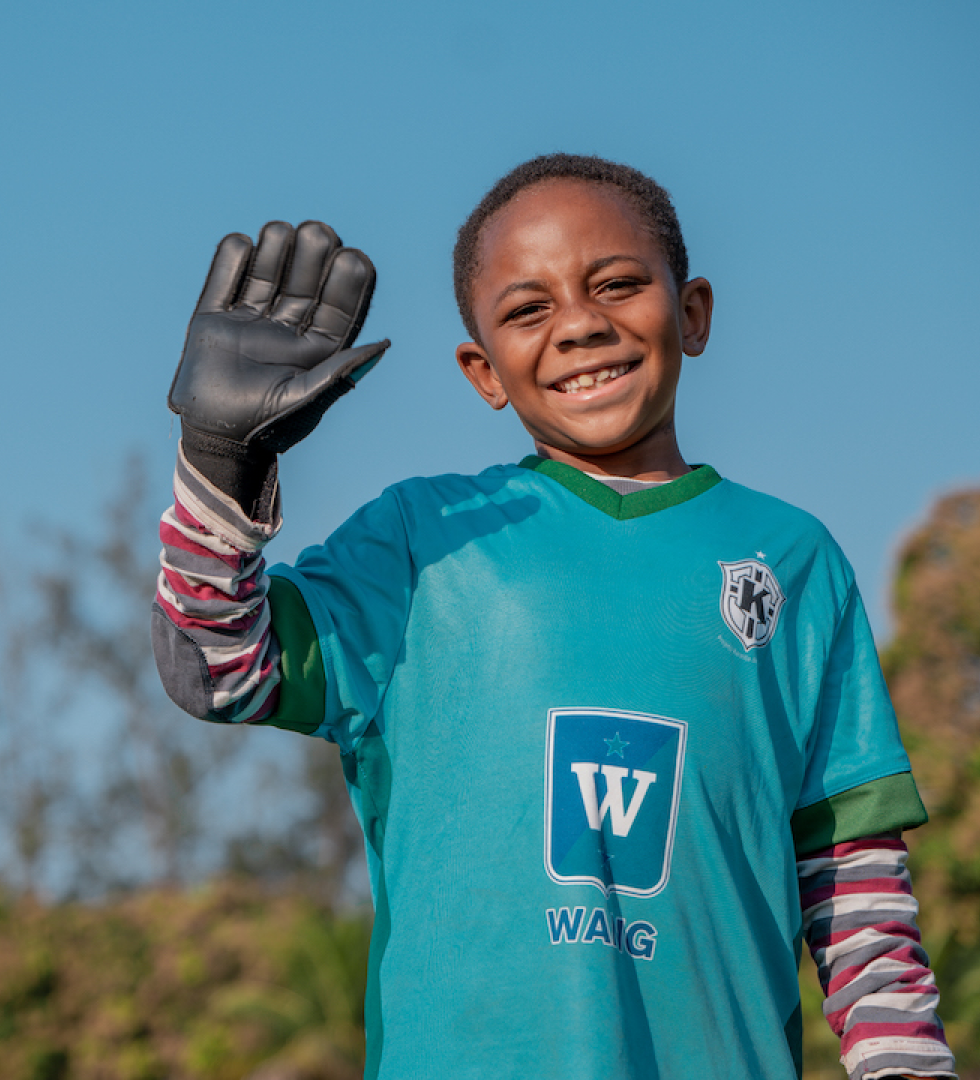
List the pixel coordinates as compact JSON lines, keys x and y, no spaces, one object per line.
{"x":658,"y":459}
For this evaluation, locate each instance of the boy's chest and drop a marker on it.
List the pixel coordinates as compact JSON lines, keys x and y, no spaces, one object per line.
{"x":601,"y":665}
{"x":636,"y":603}
{"x":577,"y":722}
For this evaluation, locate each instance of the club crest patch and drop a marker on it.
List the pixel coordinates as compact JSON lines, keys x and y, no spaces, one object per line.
{"x":612,"y":791}
{"x":751,"y":600}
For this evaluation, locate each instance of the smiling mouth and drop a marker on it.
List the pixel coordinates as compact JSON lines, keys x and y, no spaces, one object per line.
{"x":591,"y":379}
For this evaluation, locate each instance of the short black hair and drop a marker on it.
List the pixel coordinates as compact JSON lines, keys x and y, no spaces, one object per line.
{"x":650,"y":200}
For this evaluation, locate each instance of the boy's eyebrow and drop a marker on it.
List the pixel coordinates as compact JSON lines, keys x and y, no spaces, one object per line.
{"x":601,"y":264}
{"x":518,"y":286}
{"x":593,"y":267}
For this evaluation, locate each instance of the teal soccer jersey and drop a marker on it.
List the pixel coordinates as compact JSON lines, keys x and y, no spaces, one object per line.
{"x":586,"y":735}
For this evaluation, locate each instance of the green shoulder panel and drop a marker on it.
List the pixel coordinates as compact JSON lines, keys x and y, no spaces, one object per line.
{"x":625,"y":507}
{"x":880,"y":806}
{"x":302,"y":692}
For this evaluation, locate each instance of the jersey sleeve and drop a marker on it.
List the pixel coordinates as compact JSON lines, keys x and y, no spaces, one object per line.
{"x":340,"y":615}
{"x":857,"y":780}
{"x":301,"y":692}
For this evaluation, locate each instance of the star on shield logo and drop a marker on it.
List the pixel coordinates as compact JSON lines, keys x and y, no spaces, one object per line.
{"x":751,"y":600}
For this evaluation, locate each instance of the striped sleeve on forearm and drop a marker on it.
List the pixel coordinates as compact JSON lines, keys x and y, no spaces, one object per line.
{"x":213,"y":640}
{"x":859,"y":919}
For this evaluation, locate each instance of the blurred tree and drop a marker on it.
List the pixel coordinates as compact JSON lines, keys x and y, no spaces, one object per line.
{"x":933,"y":669}
{"x":142,"y":792}
{"x":93,"y":622}
{"x":32,"y":774}
{"x":322,"y":848}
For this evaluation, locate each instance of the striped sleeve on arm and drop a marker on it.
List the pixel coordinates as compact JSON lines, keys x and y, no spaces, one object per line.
{"x":859,"y":920}
{"x":212,"y":634}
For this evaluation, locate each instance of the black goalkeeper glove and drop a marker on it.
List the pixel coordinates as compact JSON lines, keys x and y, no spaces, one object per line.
{"x":267,"y":352}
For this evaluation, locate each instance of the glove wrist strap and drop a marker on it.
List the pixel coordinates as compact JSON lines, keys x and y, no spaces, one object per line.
{"x":247,"y":473}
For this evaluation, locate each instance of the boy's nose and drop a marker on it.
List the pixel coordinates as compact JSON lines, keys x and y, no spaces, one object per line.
{"x":580,"y":324}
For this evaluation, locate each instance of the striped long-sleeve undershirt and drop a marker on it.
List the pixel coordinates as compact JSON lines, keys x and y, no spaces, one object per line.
{"x":859,"y":919}
{"x":212,"y":633}
{"x":220,"y":660}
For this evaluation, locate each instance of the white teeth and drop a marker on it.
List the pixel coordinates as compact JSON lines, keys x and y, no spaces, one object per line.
{"x":590,"y":379}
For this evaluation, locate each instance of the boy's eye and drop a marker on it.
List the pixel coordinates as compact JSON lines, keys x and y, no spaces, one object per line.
{"x":620,"y":285}
{"x":525,"y":311}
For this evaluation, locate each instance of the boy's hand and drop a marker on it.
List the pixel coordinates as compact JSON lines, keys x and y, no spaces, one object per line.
{"x":267,"y":347}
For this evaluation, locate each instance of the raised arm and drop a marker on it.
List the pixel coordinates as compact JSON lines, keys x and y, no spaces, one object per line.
{"x":267,"y":352}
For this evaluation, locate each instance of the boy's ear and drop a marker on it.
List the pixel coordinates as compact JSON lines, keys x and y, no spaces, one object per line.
{"x":475,"y":365}
{"x":696,"y":302}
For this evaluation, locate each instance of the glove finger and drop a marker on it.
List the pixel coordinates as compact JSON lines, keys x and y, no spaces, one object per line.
{"x":304,"y":399}
{"x":345,"y":297}
{"x":268,"y":263}
{"x":315,"y":243}
{"x":224,"y":278}
{"x":308,"y":385}
{"x":358,"y":373}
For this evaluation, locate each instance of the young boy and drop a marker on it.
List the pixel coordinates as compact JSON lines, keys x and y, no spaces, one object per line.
{"x":605,"y":717}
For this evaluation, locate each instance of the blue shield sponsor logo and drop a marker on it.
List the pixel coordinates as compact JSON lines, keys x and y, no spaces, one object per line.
{"x":612,"y":789}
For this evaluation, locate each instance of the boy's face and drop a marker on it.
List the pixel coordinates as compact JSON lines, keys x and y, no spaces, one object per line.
{"x":583,"y":330}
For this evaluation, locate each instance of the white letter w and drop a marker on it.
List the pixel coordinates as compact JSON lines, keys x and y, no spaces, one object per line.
{"x":622,"y":819}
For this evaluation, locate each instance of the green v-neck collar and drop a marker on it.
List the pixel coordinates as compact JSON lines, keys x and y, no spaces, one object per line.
{"x":637,"y":503}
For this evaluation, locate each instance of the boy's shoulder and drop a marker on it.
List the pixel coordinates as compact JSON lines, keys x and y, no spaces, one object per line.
{"x":752,"y":505}
{"x":489,"y":479}
{"x":786,"y":535}
{"x":421,"y":502}
{"x":753,"y":501}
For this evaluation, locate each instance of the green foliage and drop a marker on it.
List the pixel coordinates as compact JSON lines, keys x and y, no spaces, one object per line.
{"x":933,"y":671}
{"x":217,"y":984}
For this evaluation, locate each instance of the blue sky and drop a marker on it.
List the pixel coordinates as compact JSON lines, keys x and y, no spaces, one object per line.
{"x":823,"y":158}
